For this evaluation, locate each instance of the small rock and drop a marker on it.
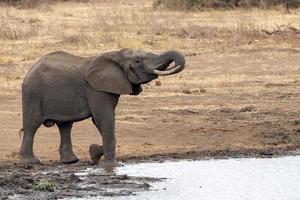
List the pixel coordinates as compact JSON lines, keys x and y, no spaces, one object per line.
{"x":157,"y":83}
{"x":124,"y":177}
{"x":226,"y":110}
{"x":28,"y":166}
{"x":147,"y":144}
{"x":296,"y":122}
{"x":194,"y":91}
{"x":191,"y":91}
{"x":74,"y":178}
{"x":247,"y":109}
{"x":202,"y":90}
{"x":186,"y":91}
{"x":191,"y":54}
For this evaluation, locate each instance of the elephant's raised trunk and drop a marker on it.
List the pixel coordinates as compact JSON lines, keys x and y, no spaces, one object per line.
{"x":166,"y":59}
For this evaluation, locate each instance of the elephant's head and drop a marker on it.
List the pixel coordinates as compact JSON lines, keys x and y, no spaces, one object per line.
{"x":123,"y":71}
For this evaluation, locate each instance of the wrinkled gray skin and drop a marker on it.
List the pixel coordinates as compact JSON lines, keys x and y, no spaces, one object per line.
{"x":62,"y":88}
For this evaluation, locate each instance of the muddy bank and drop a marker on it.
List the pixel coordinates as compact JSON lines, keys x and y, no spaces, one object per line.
{"x":19,"y":182}
{"x":86,"y":180}
{"x":215,"y":154}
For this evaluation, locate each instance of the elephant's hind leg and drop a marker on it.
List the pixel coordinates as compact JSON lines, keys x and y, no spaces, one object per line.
{"x":65,"y":149}
{"x":26,"y":153}
{"x":31,"y":122}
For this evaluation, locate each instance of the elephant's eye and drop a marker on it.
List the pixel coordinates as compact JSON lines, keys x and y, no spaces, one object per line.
{"x":137,"y":61}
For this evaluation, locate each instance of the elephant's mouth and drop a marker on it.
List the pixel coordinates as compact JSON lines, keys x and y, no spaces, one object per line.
{"x":142,"y":77}
{"x":164,"y":66}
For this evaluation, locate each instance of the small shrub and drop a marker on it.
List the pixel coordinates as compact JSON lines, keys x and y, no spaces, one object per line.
{"x":43,"y":185}
{"x":33,"y":3}
{"x":200,"y":4}
{"x":22,"y":3}
{"x":75,"y":39}
{"x":17,"y":32}
{"x":292,"y":3}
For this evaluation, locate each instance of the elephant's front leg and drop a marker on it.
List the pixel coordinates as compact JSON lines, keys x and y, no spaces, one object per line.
{"x":65,"y":149}
{"x":106,"y":127}
{"x":102,"y":107}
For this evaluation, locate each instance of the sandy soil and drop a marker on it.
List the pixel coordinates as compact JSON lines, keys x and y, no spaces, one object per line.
{"x":244,"y":103}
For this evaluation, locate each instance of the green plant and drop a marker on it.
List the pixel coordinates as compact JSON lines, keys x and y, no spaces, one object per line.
{"x":43,"y":185}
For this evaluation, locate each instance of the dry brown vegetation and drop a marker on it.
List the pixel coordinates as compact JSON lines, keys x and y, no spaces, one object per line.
{"x":236,"y":59}
{"x":92,"y":27}
{"x":225,"y":4}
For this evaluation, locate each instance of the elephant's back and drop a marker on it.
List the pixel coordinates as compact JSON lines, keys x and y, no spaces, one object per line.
{"x":60,"y":61}
{"x":56,"y":69}
{"x":56,"y":66}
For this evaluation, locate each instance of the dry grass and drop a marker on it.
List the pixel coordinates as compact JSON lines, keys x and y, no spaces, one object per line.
{"x":88,"y":28}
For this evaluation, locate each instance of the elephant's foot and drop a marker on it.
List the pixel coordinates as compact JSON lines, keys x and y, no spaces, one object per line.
{"x":31,"y":160}
{"x":96,"y":151}
{"x":109,"y":165}
{"x":69,"y":158}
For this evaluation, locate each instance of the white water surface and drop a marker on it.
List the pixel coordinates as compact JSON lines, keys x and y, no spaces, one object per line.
{"x":228,"y":179}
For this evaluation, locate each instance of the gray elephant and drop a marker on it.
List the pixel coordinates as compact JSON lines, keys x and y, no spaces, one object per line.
{"x":62,"y":88}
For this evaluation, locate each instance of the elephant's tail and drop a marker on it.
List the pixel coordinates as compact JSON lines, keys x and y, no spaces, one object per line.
{"x":21,"y":132}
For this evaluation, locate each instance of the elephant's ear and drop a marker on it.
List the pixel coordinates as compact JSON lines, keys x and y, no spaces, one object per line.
{"x":103,"y":74}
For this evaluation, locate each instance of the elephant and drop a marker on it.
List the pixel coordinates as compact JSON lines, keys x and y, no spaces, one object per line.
{"x":62,"y":88}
